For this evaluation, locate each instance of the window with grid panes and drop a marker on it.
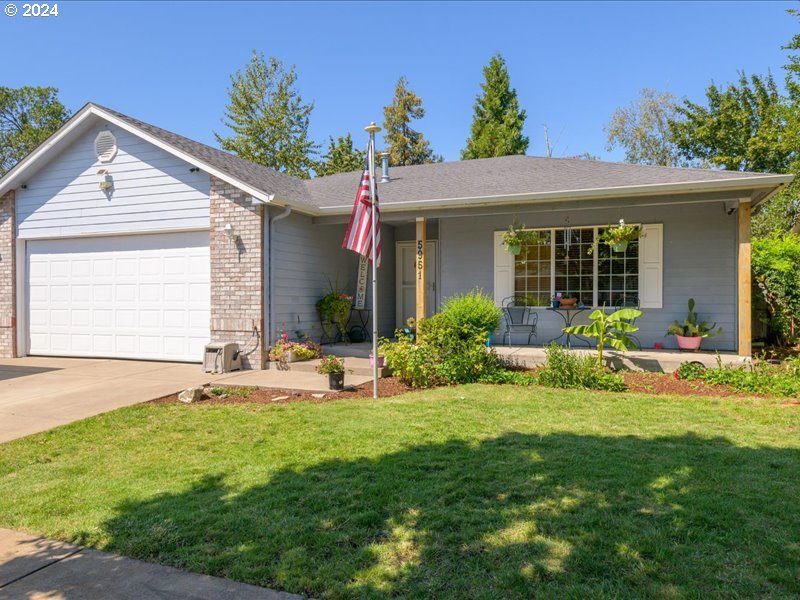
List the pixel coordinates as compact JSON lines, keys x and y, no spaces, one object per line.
{"x":561,"y":264}
{"x":532,"y":277}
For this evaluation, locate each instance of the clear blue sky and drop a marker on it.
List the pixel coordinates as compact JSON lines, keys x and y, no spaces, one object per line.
{"x":571,"y":63}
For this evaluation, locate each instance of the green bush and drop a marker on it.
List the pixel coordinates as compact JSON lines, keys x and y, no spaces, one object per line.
{"x":758,"y":378}
{"x":690,"y":370}
{"x":566,"y":369}
{"x":775,"y":270}
{"x":472,"y":313}
{"x":451,"y":345}
{"x":507,"y":376}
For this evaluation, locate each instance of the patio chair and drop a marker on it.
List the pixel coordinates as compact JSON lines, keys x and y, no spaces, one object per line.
{"x":519,"y":318}
{"x":629,"y":302}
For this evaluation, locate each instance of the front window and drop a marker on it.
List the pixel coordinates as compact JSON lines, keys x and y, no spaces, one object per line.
{"x":560,"y":263}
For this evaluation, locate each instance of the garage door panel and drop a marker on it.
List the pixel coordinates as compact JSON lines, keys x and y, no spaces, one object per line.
{"x":144,"y":296}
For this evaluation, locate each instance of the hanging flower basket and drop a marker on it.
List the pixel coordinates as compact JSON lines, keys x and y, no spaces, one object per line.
{"x":618,"y":237}
{"x":517,"y":236}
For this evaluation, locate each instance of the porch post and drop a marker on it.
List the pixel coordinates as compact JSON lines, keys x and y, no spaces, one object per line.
{"x":420,"y":268}
{"x":744,"y":281}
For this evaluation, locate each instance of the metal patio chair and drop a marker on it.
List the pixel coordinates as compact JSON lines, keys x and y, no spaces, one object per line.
{"x":629,"y":302}
{"x":519,"y":318}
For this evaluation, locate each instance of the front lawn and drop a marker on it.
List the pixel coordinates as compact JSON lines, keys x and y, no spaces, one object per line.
{"x":464,"y":492}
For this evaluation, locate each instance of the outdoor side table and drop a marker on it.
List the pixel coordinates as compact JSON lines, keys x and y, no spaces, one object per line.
{"x":568,"y":315}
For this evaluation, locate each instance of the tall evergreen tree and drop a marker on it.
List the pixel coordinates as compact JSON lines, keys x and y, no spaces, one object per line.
{"x":405,"y":145}
{"x":341,"y":157}
{"x":498,"y":120}
{"x":28,"y":116}
{"x":268,"y":119}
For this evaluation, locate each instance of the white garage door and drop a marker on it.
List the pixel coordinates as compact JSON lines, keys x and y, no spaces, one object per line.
{"x":136,"y":296}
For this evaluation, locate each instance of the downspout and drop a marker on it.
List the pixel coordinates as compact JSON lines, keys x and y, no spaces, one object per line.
{"x":271,"y":273}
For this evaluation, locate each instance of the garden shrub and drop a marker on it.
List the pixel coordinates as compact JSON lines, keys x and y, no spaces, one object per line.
{"x":566,"y":369}
{"x":775,"y":269}
{"x":508,"y":376}
{"x":451,"y":345}
{"x":758,"y":378}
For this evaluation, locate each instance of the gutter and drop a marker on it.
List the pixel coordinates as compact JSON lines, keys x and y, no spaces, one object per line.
{"x":271,"y":272}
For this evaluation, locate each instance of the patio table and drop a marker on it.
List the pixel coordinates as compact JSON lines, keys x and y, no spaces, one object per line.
{"x":568,"y":315}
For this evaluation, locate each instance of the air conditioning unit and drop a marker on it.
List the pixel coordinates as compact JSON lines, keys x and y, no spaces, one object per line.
{"x":222,"y":357}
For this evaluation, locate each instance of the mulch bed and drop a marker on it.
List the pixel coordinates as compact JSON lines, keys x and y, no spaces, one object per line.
{"x":637,"y":382}
{"x":666,"y":383}
{"x":387,"y":386}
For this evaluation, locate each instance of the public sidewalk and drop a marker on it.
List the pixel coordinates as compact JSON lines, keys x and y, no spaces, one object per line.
{"x":36,"y":568}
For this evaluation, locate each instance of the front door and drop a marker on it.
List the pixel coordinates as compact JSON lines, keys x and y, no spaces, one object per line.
{"x":406,"y":281}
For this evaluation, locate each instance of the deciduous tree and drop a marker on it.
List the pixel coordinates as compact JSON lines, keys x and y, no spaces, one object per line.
{"x":341,"y":157}
{"x":268,"y":119}
{"x":28,"y":116}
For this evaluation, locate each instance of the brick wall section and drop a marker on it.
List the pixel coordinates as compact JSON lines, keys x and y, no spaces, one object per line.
{"x":8,"y":279}
{"x":237,"y":277}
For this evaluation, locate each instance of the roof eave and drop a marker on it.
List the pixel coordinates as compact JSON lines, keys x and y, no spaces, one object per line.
{"x":741,"y":183}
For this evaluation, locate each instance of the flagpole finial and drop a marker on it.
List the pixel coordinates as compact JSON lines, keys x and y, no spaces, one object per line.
{"x":372,"y":128}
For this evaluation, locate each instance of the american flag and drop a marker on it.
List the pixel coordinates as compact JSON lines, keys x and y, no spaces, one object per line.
{"x":359,"y":231}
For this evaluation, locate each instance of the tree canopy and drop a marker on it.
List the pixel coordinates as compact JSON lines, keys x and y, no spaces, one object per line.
{"x":28,"y":116}
{"x":498,"y":120}
{"x":406,"y":145}
{"x":341,"y":157}
{"x":642,"y":128}
{"x":268,"y":119}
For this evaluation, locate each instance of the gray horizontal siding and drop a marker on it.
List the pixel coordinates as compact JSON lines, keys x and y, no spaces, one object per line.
{"x":306,"y":258}
{"x":152,"y":190}
{"x":699,"y":262}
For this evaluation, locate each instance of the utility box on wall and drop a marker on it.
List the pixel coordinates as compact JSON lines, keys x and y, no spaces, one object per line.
{"x":222,"y":357}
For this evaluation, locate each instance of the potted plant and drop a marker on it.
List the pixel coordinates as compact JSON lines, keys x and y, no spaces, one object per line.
{"x":691,"y":332}
{"x":381,"y":360}
{"x":334,"y":307}
{"x":567,"y":301}
{"x":617,"y":237}
{"x":289,"y":352}
{"x":517,"y":236}
{"x":333,"y":367}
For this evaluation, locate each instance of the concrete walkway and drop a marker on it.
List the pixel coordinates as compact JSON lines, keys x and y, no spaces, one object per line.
{"x":37,"y":568}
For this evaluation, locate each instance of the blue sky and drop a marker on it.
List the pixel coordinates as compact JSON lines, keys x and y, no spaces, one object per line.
{"x":571,"y":63}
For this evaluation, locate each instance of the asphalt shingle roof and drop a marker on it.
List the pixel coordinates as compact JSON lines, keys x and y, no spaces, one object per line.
{"x":503,"y":176}
{"x":506,"y":175}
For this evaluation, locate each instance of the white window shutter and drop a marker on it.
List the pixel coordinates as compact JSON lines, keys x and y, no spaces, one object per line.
{"x":651,"y":266}
{"x":503,"y":270}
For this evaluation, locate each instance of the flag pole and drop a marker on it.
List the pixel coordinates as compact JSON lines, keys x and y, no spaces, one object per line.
{"x":372,"y":129}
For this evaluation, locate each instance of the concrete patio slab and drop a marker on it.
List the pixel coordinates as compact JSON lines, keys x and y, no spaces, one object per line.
{"x":37,"y":568}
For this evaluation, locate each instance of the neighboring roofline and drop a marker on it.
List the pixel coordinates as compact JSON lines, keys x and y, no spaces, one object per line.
{"x":90,"y":109}
{"x":738,"y":183}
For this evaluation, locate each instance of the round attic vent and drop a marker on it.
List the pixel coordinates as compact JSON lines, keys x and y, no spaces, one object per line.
{"x":105,"y":146}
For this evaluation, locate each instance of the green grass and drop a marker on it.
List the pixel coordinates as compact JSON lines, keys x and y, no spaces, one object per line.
{"x":464,"y":492}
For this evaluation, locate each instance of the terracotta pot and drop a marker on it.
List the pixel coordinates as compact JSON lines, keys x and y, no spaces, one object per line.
{"x":689,"y":343}
{"x":568,"y":302}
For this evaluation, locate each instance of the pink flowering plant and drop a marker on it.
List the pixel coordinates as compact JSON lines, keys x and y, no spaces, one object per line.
{"x":307,"y":350}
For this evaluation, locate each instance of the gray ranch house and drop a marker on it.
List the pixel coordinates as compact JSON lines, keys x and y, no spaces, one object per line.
{"x":121,"y":239}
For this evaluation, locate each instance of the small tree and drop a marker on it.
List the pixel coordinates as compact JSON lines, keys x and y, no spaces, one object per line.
{"x":498,"y":120}
{"x":611,"y":329}
{"x":28,"y":116}
{"x":341,"y":157}
{"x":268,"y":119}
{"x":405,"y":145}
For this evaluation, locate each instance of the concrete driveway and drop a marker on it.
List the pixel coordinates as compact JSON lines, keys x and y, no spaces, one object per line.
{"x":39,"y":393}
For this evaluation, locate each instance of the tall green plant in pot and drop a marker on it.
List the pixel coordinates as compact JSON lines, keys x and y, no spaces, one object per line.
{"x":611,"y":329}
{"x":691,"y":333}
{"x":334,"y":308}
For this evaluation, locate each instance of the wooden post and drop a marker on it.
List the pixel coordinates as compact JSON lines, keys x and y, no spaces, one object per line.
{"x":420,"y":268}
{"x":745,"y":283}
